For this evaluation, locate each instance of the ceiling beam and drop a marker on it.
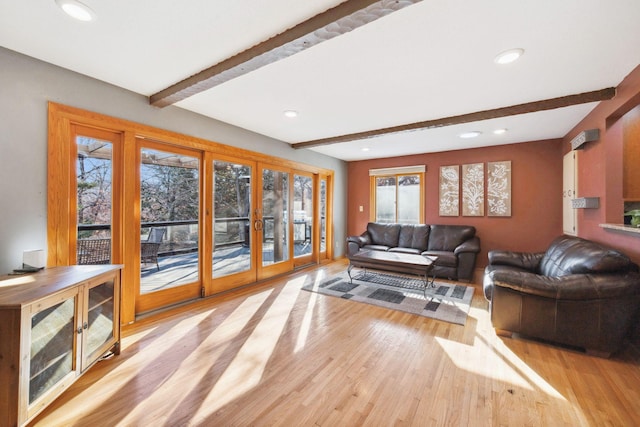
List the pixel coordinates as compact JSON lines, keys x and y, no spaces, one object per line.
{"x":334,"y":22}
{"x":529,"y":107}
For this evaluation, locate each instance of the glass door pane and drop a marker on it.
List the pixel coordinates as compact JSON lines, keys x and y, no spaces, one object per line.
{"x":323,"y":216}
{"x":302,"y":215}
{"x":275,"y":226}
{"x":169,"y":219}
{"x":100,"y":323}
{"x":53,"y":335}
{"x":94,"y":200}
{"x":231,"y":220}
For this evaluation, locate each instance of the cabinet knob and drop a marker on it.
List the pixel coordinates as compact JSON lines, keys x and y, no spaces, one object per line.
{"x":79,"y":330}
{"x":85,"y":325}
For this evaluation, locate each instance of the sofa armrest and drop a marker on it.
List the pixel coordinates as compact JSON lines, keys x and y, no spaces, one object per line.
{"x":361,"y":240}
{"x":471,"y":245}
{"x":354,"y":243}
{"x":525,"y":260}
{"x":569,"y":287}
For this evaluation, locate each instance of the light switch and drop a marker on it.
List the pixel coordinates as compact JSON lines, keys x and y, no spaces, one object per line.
{"x":361,"y":208}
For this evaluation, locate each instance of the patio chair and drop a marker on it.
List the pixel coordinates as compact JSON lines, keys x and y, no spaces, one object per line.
{"x":149,"y":248}
{"x":94,"y":251}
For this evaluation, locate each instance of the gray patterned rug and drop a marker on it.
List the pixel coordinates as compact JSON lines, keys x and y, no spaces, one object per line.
{"x":446,"y":301}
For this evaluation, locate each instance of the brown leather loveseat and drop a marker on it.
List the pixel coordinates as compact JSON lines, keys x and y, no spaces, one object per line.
{"x":456,"y":246}
{"x":578,"y":293}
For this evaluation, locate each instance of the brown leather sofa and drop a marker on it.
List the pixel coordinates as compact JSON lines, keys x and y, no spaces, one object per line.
{"x":578,"y":293}
{"x":456,"y":246}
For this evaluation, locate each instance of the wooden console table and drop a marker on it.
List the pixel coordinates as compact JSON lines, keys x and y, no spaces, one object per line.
{"x":54,"y":325}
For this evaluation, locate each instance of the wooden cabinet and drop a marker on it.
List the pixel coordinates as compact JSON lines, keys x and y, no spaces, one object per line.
{"x":54,"y":325}
{"x":631,"y":155}
{"x":569,"y":191}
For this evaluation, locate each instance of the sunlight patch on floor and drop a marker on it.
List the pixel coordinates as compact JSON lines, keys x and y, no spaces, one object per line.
{"x":500,"y":363}
{"x":305,"y":326}
{"x":247,"y":368}
{"x":129,"y":369}
{"x":198,"y":364}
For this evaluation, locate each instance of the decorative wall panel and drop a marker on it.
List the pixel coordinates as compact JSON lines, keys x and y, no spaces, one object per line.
{"x":473,"y":189}
{"x":450,"y":190}
{"x":499,"y":188}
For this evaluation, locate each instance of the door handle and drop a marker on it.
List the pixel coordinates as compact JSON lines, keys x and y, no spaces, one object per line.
{"x":257,"y":225}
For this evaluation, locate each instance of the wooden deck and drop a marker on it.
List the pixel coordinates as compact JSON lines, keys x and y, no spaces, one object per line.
{"x":272,"y":354}
{"x":180,"y":269}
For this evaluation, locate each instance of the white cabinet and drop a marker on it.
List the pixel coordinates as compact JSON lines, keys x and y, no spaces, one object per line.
{"x":54,"y":325}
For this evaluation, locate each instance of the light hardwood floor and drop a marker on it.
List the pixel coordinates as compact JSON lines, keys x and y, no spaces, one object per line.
{"x":273,"y":354}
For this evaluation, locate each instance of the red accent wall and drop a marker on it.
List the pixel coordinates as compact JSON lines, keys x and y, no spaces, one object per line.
{"x":600,"y":168}
{"x":536,"y":182}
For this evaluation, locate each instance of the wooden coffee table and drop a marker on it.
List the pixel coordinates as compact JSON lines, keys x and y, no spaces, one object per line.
{"x":398,"y":262}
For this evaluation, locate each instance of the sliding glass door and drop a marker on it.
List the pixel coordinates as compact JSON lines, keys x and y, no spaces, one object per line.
{"x":169,"y":234}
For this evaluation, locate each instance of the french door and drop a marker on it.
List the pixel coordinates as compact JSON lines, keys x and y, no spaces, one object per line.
{"x":271,"y":222}
{"x":234,"y":230}
{"x":304,"y":200}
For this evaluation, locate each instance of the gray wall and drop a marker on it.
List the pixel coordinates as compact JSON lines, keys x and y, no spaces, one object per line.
{"x":27,"y":84}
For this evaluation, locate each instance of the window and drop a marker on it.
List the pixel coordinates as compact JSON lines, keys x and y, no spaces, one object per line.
{"x":396,"y":195}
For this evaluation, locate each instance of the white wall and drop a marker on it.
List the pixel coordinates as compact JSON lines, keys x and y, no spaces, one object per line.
{"x":27,"y":84}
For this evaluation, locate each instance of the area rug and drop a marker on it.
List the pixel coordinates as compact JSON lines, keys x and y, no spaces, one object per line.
{"x":449,"y":302}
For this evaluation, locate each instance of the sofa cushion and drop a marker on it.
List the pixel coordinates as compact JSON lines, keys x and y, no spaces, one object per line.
{"x":405,"y":250}
{"x":414,"y":236}
{"x":572,"y":255}
{"x":445,"y":259}
{"x":384,"y":234}
{"x":449,"y":237}
{"x":376,"y":247}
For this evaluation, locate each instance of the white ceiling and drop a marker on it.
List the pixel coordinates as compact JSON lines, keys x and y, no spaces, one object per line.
{"x":430,"y":60}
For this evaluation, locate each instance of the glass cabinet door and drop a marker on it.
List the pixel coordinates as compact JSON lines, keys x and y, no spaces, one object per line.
{"x":53,"y":337}
{"x":100,"y":322}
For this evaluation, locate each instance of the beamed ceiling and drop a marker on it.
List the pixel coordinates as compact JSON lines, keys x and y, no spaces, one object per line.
{"x":390,"y":77}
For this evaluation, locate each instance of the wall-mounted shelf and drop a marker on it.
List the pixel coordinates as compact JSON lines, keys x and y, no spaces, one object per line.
{"x":623,"y":228}
{"x":586,"y":203}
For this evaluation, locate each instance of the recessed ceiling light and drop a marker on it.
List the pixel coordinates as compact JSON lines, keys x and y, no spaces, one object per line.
{"x":77,"y":10}
{"x":365,"y":149}
{"x":471,"y":134}
{"x":290,"y":113}
{"x":499,"y":131}
{"x":508,"y":56}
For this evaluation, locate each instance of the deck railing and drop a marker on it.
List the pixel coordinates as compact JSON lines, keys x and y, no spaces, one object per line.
{"x":182,"y":236}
